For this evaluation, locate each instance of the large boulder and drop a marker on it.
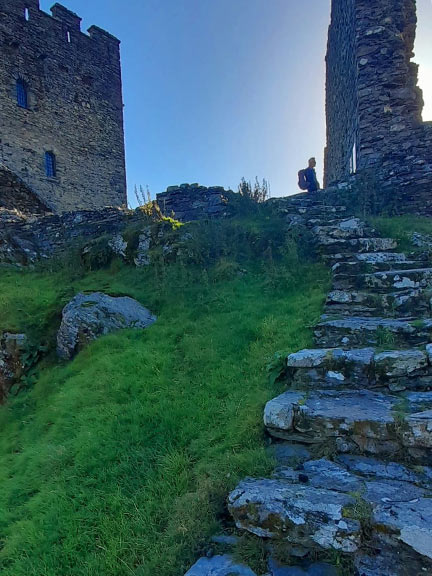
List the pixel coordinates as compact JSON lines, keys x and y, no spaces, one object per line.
{"x":89,"y":316}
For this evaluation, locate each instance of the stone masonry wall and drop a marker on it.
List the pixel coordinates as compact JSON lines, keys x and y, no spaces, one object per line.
{"x":341,"y":91}
{"x":193,"y":202}
{"x":25,"y":240}
{"x":375,"y":96}
{"x":75,"y":107}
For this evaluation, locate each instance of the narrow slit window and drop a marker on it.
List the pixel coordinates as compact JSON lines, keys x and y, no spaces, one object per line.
{"x":27,"y":14}
{"x":354,"y":158}
{"x":21,"y":93}
{"x":50,"y":164}
{"x":69,"y":38}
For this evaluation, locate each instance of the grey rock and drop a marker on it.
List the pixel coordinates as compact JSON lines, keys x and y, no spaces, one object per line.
{"x":399,"y":363}
{"x":301,"y":515}
{"x":385,"y":562}
{"x":399,"y":279}
{"x":357,"y":420}
{"x":89,"y":316}
{"x":373,"y":468}
{"x":309,"y":358}
{"x":409,"y":521}
{"x":360,"y":331}
{"x":422,"y":240}
{"x":219,"y":566}
{"x":118,"y":245}
{"x":323,"y":474}
{"x":287,"y":454}
{"x":381,"y":257}
{"x":418,"y":432}
{"x":143,"y":257}
{"x":321,"y":569}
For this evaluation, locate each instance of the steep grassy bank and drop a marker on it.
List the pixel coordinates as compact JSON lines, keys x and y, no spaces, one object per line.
{"x":119,"y":462}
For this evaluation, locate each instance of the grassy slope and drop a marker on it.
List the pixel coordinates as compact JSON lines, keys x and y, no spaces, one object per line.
{"x":120,"y":462}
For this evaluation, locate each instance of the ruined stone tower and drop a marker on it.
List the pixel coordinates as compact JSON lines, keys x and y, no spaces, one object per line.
{"x":61,"y":108}
{"x":374,"y":105}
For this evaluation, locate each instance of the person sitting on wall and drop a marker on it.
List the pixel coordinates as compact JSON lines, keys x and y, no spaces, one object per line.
{"x":308,"y":178}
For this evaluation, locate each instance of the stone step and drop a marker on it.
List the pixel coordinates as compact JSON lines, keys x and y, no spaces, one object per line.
{"x":354,"y":421}
{"x":341,"y":249}
{"x":350,"y":228}
{"x":404,"y":303}
{"x":355,"y":267}
{"x":335,"y":368}
{"x":363,"y":331}
{"x":323,"y":212}
{"x":325,"y":506}
{"x":392,"y":280}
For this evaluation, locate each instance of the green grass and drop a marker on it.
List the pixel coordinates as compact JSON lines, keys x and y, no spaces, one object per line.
{"x":401,"y":228}
{"x":119,"y":462}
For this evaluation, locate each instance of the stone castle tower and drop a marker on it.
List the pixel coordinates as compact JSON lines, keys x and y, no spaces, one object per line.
{"x":374,"y":104}
{"x":61,"y":107}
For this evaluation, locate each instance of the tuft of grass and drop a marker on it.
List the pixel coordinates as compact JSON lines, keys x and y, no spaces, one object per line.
{"x":120,"y":461}
{"x":401,"y":228}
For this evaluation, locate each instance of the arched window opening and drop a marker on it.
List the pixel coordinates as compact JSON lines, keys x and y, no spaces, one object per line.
{"x":21,"y":93}
{"x":27,"y":14}
{"x":50,"y":165}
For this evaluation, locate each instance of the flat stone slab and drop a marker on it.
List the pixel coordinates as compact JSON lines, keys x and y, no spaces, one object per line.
{"x":360,"y":367}
{"x":373,"y":468}
{"x":357,"y":420}
{"x":355,"y":267}
{"x":398,"y":279}
{"x":344,"y":229}
{"x":381,"y":257}
{"x":400,"y":363}
{"x":331,"y":367}
{"x":404,"y":303}
{"x":301,"y":515}
{"x":288,"y":508}
{"x":219,"y":566}
{"x":361,"y":331}
{"x":89,"y":316}
{"x":357,"y":245}
{"x":328,"y":357}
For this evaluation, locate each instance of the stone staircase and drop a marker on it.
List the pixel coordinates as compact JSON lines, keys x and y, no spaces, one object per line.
{"x":352,"y":435}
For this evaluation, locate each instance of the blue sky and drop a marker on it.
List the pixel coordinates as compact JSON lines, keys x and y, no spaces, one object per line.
{"x":219,"y":89}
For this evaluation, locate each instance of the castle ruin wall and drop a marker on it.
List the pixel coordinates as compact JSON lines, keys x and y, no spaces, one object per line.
{"x":374,"y":104}
{"x":74,"y":111}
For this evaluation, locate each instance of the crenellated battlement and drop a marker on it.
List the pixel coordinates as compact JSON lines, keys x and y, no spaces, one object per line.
{"x":61,"y":20}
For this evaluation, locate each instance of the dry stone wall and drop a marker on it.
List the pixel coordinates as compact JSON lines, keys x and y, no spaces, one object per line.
{"x":374,"y":104}
{"x":189,"y":202}
{"x":74,"y":106}
{"x":27,"y":240}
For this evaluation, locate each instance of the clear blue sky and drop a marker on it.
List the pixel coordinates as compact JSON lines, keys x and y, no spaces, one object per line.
{"x":219,"y":89}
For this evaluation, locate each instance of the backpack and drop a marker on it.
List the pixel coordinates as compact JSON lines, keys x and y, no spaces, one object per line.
{"x":302,"y":182}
